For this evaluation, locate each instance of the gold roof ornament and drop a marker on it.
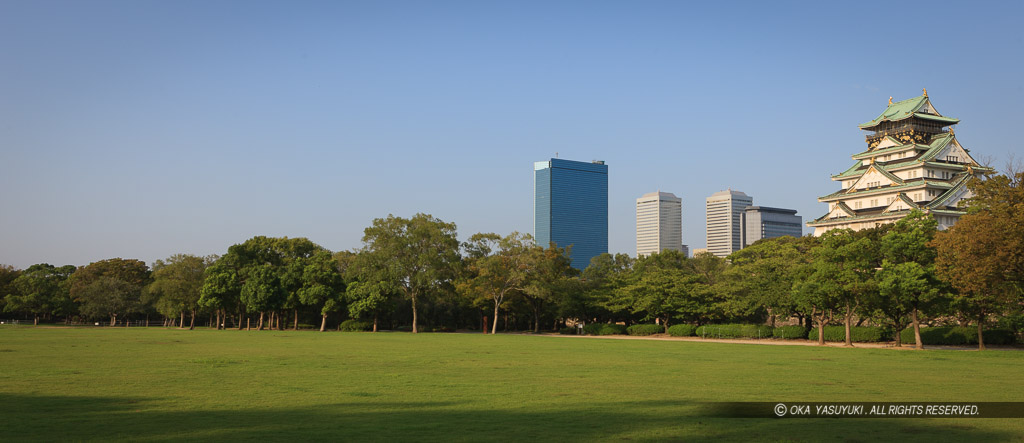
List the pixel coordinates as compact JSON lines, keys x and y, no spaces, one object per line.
{"x":890,"y":100}
{"x":925,"y":91}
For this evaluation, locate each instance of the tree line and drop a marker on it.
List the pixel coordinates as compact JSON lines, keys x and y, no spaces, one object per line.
{"x":413,"y":273}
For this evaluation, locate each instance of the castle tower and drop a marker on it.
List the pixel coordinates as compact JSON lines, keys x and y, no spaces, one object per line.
{"x":913,"y":161}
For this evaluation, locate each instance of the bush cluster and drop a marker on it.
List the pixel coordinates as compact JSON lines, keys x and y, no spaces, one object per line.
{"x":603,"y":329}
{"x":567,"y":331}
{"x":859,"y":334}
{"x":734,"y":331}
{"x":645,"y":329}
{"x":790,"y":332}
{"x":683,"y":330}
{"x":957,"y":335}
{"x":355,"y":326}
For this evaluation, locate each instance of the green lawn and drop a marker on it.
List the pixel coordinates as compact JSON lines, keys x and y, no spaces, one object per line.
{"x":155,"y":384}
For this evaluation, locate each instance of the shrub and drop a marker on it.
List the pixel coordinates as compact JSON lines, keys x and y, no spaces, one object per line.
{"x":442,"y":329}
{"x":645,"y":329}
{"x":858,"y":334}
{"x":407,"y":328}
{"x":790,"y":332}
{"x":682,"y":330}
{"x":356,"y":326}
{"x":734,"y":331}
{"x":567,"y":331}
{"x":603,"y":329}
{"x":958,"y":336}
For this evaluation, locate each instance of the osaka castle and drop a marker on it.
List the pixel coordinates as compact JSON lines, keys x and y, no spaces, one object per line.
{"x":913,"y":161}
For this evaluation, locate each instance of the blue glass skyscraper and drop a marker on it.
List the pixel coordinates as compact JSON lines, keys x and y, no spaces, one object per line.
{"x":571,"y":207}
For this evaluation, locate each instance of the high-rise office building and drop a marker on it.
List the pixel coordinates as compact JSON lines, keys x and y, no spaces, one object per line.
{"x":724,"y":213}
{"x":764,"y":222}
{"x":571,"y":207}
{"x":659,"y":223}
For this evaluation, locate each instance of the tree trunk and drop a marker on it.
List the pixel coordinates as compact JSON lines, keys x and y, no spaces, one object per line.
{"x":494,"y":329}
{"x":846,"y":323}
{"x":147,"y":320}
{"x":113,"y":320}
{"x":192,"y":321}
{"x":323,"y":322}
{"x":36,"y":322}
{"x":414,"y":329}
{"x":536,"y":320}
{"x":375,"y":315}
{"x":917,"y":329}
{"x":246,"y":323}
{"x":297,"y":319}
{"x":181,"y":323}
{"x":259,"y":325}
{"x":981,"y":340}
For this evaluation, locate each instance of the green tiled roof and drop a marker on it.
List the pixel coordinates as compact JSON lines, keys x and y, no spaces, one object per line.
{"x":898,"y":148}
{"x":851,"y":171}
{"x":822,"y":220}
{"x":905,"y":109}
{"x":937,"y":145}
{"x":895,"y":214}
{"x":907,"y":200}
{"x":937,"y":118}
{"x":953,"y":189}
{"x":911,"y":184}
{"x":888,"y":174}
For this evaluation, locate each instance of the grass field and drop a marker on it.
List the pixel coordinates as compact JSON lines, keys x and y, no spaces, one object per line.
{"x":61,"y":384}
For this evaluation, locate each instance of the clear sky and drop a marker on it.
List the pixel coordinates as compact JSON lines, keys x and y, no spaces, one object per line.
{"x":141,"y":129}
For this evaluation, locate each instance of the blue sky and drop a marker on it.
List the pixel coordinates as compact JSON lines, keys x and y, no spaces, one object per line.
{"x":142,"y":129}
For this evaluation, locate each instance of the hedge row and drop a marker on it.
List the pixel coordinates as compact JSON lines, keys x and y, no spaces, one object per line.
{"x":859,"y":334}
{"x":355,"y":326}
{"x":734,"y":331}
{"x":645,"y":329}
{"x":603,"y":329}
{"x":683,"y":330}
{"x":956,"y":335}
{"x":789,"y":332}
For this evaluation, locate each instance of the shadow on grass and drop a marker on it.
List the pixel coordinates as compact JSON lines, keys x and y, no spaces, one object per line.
{"x":57,"y":418}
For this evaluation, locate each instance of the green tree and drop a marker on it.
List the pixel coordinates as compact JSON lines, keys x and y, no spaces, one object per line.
{"x":7,"y":275}
{"x":110,"y":287}
{"x":550,"y":274}
{"x":594,"y":296}
{"x":496,"y":267}
{"x":834,"y":280}
{"x":41,"y":290}
{"x":982,"y":255}
{"x":907,"y":276}
{"x":323,"y":286}
{"x":417,"y":255}
{"x":662,"y":287}
{"x":221,"y":288}
{"x":764,"y":272}
{"x":264,"y":272}
{"x":370,"y":291}
{"x":177,"y":284}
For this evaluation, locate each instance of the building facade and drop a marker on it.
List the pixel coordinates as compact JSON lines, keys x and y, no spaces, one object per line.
{"x":571,"y":207}
{"x":724,"y":227}
{"x":763,"y":222}
{"x":913,"y":161}
{"x":659,"y":223}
